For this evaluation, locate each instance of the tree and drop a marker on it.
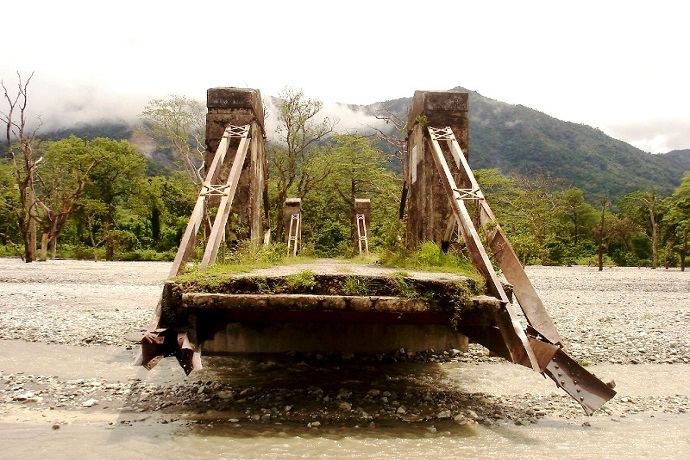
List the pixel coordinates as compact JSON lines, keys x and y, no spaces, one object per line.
{"x":9,"y":202}
{"x":359,"y":172}
{"x":21,"y":148}
{"x":180,"y":122}
{"x":116,"y":177}
{"x":62,"y":181}
{"x":293,"y":160}
{"x":535,"y":208}
{"x":576,"y":227}
{"x":677,"y":218}
{"x":642,"y":208}
{"x":601,"y":232}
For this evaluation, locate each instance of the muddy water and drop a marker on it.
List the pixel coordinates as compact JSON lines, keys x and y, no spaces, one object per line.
{"x":103,"y":433}
{"x":639,"y":438}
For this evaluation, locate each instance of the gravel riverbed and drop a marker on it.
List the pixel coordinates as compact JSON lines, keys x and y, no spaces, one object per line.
{"x":622,"y":321}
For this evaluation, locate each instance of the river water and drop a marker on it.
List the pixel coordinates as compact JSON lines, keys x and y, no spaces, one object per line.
{"x":108,"y":434}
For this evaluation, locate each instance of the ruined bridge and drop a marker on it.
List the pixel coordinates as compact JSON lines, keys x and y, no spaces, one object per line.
{"x":329,"y":306}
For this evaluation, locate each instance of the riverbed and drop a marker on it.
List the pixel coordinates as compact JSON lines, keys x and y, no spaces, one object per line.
{"x":68,"y":387}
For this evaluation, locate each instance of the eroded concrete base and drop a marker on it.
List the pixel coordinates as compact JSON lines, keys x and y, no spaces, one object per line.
{"x":332,"y":337}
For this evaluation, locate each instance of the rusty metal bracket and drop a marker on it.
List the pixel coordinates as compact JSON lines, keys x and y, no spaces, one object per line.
{"x":584,"y":387}
{"x":163,"y":343}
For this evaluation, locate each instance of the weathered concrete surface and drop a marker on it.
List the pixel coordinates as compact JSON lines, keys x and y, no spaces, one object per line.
{"x":323,"y":307}
{"x":428,"y":206}
{"x":241,"y":106}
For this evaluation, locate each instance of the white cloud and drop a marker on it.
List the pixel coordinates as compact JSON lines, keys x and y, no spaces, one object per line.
{"x":591,"y":62}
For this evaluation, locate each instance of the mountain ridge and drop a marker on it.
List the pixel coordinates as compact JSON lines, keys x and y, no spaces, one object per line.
{"x":514,"y":139}
{"x":518,"y":140}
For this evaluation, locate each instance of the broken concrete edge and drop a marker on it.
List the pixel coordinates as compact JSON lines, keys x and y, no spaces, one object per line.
{"x":324,"y":303}
{"x":440,"y":295}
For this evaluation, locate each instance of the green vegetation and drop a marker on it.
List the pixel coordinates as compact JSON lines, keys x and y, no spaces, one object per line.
{"x":355,"y":286}
{"x":429,"y":257}
{"x":243,"y":259}
{"x":565,"y":193}
{"x":305,"y":279}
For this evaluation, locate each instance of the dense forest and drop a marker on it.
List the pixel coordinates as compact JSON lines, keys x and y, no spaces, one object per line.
{"x":564,"y":193}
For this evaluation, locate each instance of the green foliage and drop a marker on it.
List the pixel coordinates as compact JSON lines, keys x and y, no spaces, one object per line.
{"x":355,"y":286}
{"x":244,"y":258}
{"x":429,"y":257}
{"x":331,"y":239}
{"x":304,"y":280}
{"x":179,"y":123}
{"x":542,"y":195}
{"x":404,"y":287}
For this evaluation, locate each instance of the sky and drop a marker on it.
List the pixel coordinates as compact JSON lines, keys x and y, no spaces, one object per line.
{"x":621,"y":67}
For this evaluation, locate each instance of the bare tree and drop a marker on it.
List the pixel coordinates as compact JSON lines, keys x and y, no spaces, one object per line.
{"x":22,"y":152}
{"x":299,"y":132}
{"x":396,"y":138}
{"x":180,"y":121}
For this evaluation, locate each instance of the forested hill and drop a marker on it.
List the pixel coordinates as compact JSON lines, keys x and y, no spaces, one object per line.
{"x":518,"y":140}
{"x":513,"y":139}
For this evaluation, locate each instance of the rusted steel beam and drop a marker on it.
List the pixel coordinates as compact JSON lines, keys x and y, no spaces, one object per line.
{"x":163,"y":343}
{"x":543,"y":349}
{"x":583,"y":386}
{"x":529,"y":301}
{"x":506,"y":319}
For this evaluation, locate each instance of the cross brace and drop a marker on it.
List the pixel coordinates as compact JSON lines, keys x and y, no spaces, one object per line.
{"x":210,"y":188}
{"x":540,"y":346}
{"x":294,"y":234}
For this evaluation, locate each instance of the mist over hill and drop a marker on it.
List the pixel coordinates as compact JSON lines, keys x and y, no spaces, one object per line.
{"x":518,"y":140}
{"x":514,"y":139}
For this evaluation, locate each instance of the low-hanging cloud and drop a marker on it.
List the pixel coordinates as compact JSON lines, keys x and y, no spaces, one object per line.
{"x":348,"y":119}
{"x":654,"y":136}
{"x":62,"y":105}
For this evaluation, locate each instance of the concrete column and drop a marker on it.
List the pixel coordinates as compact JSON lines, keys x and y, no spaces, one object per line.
{"x":241,"y":106}
{"x":428,"y":207}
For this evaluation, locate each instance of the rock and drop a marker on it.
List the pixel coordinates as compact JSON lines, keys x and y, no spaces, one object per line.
{"x":460,"y":419}
{"x":89,"y":403}
{"x":444,"y":414}
{"x":345,"y":406}
{"x":343,"y":394}
{"x":373,"y":392}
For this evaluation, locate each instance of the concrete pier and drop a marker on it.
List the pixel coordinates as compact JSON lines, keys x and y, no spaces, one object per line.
{"x":324,"y":306}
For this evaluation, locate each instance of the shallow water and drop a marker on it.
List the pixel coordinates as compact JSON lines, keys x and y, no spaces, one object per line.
{"x":108,"y":434}
{"x":661,"y":436}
